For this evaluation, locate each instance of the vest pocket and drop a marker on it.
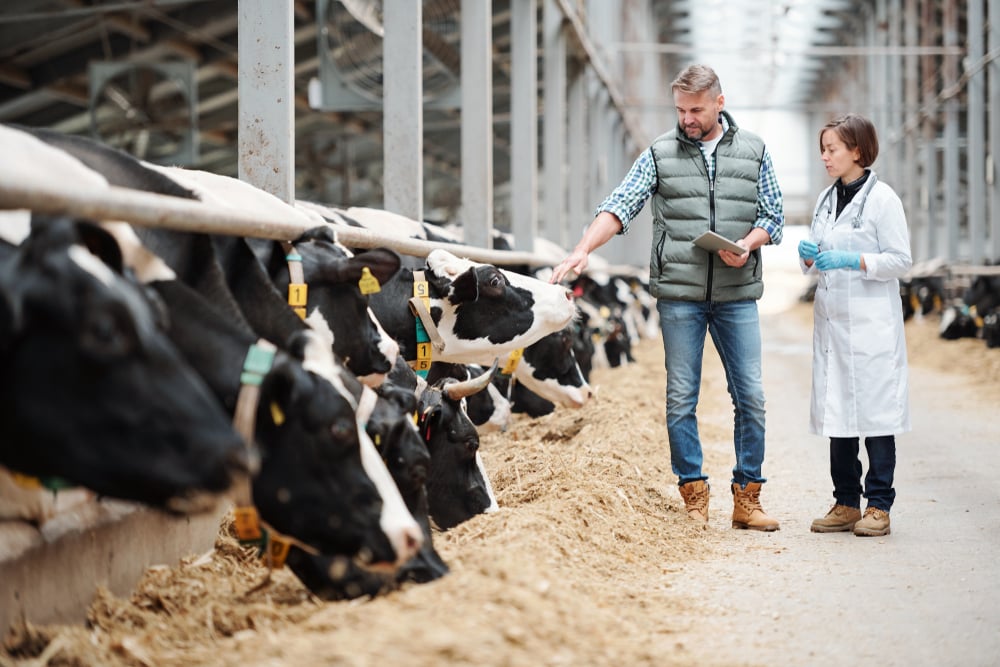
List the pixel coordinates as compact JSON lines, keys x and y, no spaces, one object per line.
{"x":656,"y":261}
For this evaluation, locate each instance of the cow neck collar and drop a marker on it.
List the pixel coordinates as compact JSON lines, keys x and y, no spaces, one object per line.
{"x":298,"y":290}
{"x":427,"y":333}
{"x":250,"y":529}
{"x":272,"y":546}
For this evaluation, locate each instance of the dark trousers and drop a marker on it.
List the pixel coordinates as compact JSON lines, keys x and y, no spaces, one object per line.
{"x":845,"y":469}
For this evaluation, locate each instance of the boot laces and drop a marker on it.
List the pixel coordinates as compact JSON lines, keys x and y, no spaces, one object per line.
{"x":750,"y":500}
{"x":697,"y":499}
{"x":875,"y":513}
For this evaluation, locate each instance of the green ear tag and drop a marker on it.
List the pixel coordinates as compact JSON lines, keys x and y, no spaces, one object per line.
{"x":368,"y":283}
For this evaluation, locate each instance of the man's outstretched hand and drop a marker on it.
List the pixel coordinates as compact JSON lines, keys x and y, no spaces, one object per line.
{"x":575,"y":263}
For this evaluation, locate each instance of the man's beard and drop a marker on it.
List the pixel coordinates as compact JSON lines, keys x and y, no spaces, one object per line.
{"x":697,"y":132}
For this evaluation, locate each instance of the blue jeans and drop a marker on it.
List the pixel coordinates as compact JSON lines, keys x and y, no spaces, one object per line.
{"x":845,"y":469}
{"x":735,"y":330}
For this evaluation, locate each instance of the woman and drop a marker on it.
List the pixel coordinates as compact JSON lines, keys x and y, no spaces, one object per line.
{"x":859,"y":247}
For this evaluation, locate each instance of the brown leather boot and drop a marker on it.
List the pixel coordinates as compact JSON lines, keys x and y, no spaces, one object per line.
{"x":874,"y":523}
{"x":695,"y":495}
{"x":840,"y":518}
{"x":747,"y":512}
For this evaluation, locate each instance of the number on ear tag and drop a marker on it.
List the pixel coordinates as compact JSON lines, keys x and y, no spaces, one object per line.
{"x":298,"y":294}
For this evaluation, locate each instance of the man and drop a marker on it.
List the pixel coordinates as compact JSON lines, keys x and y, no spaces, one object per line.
{"x":705,"y":174}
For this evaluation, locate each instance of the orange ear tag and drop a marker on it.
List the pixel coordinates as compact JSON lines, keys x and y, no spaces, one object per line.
{"x":246,"y":523}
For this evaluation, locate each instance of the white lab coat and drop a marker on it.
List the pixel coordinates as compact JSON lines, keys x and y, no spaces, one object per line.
{"x":859,"y":375}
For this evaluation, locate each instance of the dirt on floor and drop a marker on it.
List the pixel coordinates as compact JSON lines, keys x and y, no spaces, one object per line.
{"x":576,"y":568}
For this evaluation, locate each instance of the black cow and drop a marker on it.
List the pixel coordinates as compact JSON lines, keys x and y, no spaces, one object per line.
{"x":458,"y":487}
{"x":305,"y":430}
{"x":983,"y":294}
{"x":957,"y":322}
{"x":92,"y":390}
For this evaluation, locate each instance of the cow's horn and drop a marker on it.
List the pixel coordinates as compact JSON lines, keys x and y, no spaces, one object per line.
{"x":462,"y":389}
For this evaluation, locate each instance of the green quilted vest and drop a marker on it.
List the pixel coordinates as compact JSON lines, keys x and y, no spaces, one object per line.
{"x":686,"y":204}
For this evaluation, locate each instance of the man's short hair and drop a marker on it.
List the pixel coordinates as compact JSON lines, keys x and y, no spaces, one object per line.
{"x":856,"y":132}
{"x":696,"y":79}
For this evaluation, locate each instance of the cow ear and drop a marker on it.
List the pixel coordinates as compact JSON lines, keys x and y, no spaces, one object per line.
{"x":443,"y":263}
{"x":382,"y":262}
{"x":297,"y":343}
{"x":464,"y":288}
{"x":102,"y":244}
{"x":277,"y":389}
{"x":318,"y":233}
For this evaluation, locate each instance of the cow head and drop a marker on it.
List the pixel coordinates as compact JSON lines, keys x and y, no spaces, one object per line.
{"x":312,"y":484}
{"x":458,"y":487}
{"x":549,"y":369}
{"x":337,"y":282}
{"x":489,"y":410}
{"x":483,"y":311}
{"x":92,"y":390}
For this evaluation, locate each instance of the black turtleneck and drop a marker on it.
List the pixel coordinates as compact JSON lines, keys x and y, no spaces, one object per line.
{"x":845,"y":193}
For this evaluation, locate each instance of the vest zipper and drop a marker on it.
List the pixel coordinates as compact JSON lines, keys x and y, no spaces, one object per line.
{"x":711,"y":225}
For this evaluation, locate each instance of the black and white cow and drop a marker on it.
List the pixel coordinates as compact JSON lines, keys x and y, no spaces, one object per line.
{"x":92,"y":390}
{"x":311,"y":483}
{"x":489,"y":410}
{"x":549,"y":368}
{"x":480,"y":311}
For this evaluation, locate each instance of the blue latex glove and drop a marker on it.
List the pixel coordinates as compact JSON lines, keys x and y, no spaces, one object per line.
{"x":808,"y":250}
{"x":838,"y":259}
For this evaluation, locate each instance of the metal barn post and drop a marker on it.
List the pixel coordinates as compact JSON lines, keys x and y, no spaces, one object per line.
{"x":524,"y":123}
{"x":266,"y":96}
{"x":402,"y":109}
{"x":477,"y":122}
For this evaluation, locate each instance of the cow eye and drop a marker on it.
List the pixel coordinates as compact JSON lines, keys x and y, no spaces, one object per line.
{"x":343,"y":430}
{"x":107,"y":334}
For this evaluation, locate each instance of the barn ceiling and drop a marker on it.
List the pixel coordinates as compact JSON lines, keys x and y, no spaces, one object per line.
{"x":763,"y":50}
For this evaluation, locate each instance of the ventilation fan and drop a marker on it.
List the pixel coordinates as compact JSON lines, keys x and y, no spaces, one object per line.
{"x":350,"y":54}
{"x":146,"y":109}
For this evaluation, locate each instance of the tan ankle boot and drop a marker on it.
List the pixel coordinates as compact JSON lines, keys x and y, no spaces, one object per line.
{"x":747,"y":512}
{"x":695,"y":495}
{"x":874,"y":523}
{"x":840,"y":518}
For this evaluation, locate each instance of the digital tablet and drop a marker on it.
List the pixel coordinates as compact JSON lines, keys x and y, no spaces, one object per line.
{"x":711,"y":241}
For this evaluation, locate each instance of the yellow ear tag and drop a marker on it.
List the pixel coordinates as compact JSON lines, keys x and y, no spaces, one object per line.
{"x":246,"y":523}
{"x":605,"y":312}
{"x":416,"y":418}
{"x":512,"y":361}
{"x":277,"y":416}
{"x":378,"y":440}
{"x":29,"y":482}
{"x":278,"y":548}
{"x":368,"y":284}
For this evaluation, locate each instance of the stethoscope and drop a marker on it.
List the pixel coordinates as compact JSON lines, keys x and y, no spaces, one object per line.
{"x":827,"y":201}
